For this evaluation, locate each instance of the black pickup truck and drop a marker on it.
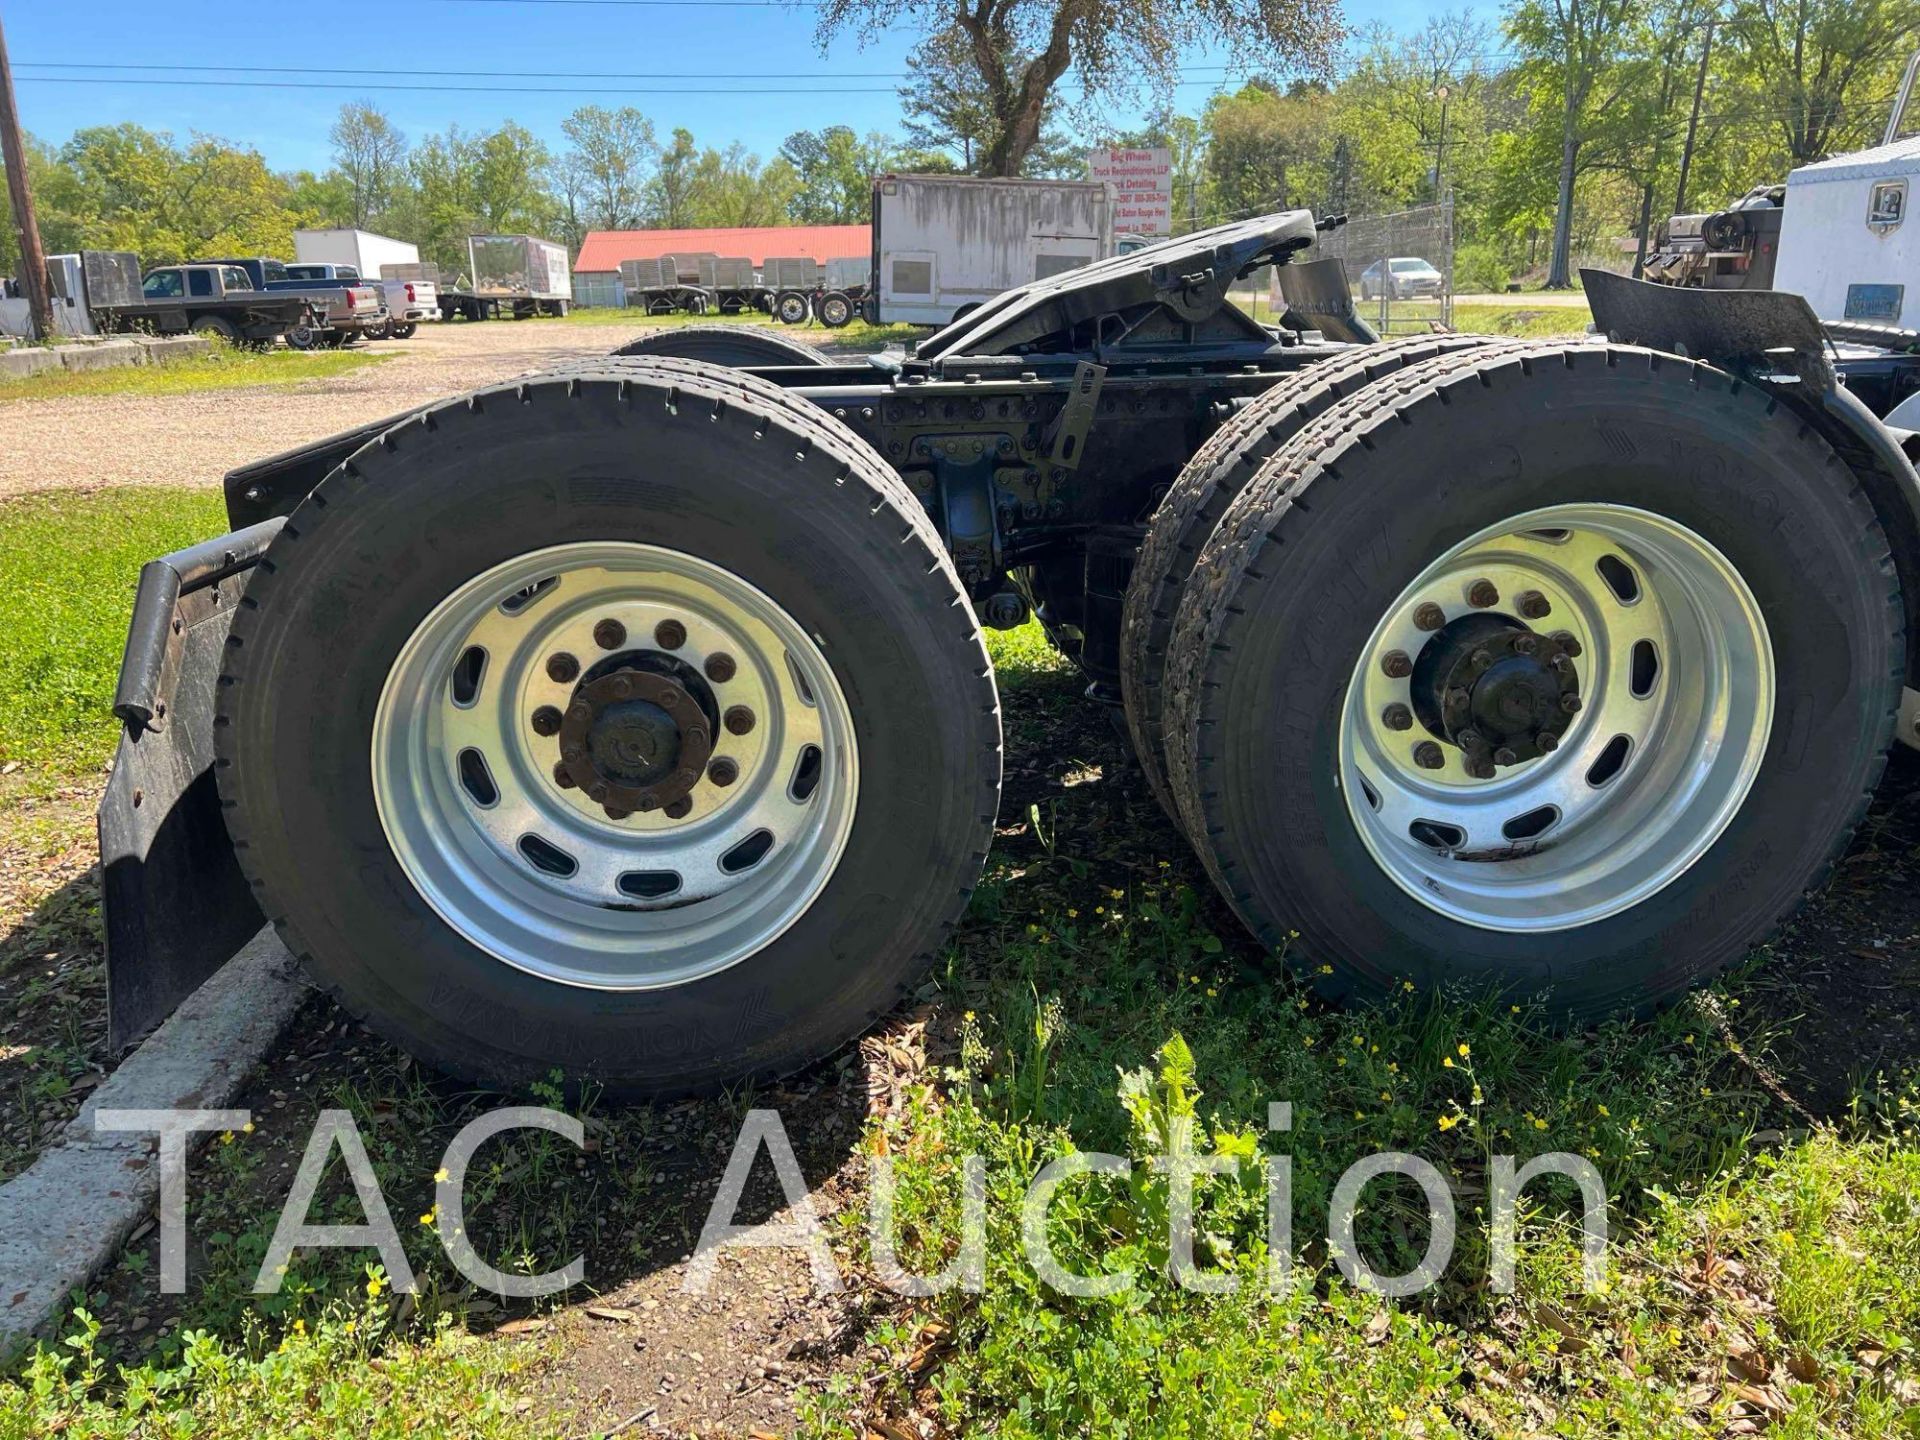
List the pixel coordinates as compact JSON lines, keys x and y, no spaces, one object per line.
{"x":218,"y":301}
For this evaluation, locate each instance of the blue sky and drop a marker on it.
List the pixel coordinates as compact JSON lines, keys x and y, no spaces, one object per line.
{"x":643,"y":49}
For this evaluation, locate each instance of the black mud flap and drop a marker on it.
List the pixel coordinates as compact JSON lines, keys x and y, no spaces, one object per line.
{"x":176,"y":905}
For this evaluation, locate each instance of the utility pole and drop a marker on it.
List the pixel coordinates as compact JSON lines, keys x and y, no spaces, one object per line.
{"x":1445,"y":92}
{"x":13,"y":153}
{"x":1693,"y":121}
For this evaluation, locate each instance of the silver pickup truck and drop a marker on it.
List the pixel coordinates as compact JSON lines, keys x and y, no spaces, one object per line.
{"x":408,"y":302}
{"x":338,"y":314}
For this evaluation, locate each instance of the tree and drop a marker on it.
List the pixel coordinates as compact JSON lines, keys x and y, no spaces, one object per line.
{"x":1019,"y":49}
{"x":670,"y":192}
{"x":612,"y":152}
{"x":372,"y":154}
{"x":319,"y":202}
{"x":137,"y":190}
{"x":1266,"y":151}
{"x":1571,"y":47}
{"x":834,"y":169}
{"x":1826,"y":69}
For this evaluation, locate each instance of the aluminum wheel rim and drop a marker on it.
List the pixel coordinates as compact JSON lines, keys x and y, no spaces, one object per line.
{"x":1629,"y":815}
{"x":597,"y":926}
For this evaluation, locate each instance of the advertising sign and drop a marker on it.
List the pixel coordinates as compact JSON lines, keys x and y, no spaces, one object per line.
{"x":1141,"y":182}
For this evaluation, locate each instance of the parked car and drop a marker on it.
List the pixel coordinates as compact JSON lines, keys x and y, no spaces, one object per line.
{"x":1402,"y":278}
{"x":408,"y":302}
{"x":339,"y":311}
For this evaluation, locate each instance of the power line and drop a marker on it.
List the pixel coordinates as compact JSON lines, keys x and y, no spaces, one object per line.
{"x":181,"y":68}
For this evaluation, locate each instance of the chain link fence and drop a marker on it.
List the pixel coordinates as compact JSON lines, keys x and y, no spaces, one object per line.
{"x":1400,"y":265}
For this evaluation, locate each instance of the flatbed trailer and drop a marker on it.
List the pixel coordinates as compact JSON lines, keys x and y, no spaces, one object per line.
{"x":633,"y":720}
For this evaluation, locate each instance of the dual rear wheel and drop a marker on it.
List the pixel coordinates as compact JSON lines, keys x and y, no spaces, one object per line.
{"x":1558,"y":671}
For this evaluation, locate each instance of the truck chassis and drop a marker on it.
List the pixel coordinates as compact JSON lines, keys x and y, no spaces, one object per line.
{"x":634,"y":719}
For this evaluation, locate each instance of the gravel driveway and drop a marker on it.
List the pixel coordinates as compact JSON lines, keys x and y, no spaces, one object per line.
{"x":193,"y":439}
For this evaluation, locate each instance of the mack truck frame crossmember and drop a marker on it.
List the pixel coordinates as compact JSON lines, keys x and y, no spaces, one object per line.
{"x":634,"y":719}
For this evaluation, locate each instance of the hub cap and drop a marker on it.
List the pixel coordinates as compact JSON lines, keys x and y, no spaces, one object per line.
{"x":1557,"y":718}
{"x":614,"y":765}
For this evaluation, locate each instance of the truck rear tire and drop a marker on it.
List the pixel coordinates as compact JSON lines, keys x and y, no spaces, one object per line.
{"x":834,"y":310}
{"x":405,"y":331}
{"x":741,"y":346}
{"x":1186,"y":517}
{"x":1373,"y":649}
{"x":792,"y":307}
{"x":791,"y":634}
{"x":216,"y":327}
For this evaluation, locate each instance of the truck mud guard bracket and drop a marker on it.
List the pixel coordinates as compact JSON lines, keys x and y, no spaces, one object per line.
{"x":175,"y":903}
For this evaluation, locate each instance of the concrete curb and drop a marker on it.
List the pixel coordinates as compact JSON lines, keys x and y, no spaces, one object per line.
{"x":72,"y":1210}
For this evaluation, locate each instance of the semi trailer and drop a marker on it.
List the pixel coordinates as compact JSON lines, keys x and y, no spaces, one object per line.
{"x":943,"y":245}
{"x":634,"y":719}
{"x":517,"y":275}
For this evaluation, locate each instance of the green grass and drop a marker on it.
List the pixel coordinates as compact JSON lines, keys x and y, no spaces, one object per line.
{"x":69,"y":564}
{"x":1542,"y":321}
{"x":226,"y":368}
{"x":343,"y":1376}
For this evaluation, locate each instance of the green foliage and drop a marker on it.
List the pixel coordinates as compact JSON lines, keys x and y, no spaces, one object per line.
{"x":70,"y":562}
{"x":332,"y":1378}
{"x":1479,"y":269}
{"x":1112,"y":1017}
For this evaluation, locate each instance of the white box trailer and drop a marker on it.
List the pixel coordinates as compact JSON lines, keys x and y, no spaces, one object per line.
{"x":362,"y":249}
{"x":1845,"y":243}
{"x":943,"y":244}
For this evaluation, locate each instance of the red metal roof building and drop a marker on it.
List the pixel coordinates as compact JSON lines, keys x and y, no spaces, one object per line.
{"x":605,"y":249}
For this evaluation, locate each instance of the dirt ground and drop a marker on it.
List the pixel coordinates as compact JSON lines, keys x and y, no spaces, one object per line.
{"x":193,"y":439}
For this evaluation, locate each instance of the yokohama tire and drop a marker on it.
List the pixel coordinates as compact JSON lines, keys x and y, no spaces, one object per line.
{"x":742,"y":346}
{"x":1206,"y":486}
{"x":1278,"y":618}
{"x":712,"y":464}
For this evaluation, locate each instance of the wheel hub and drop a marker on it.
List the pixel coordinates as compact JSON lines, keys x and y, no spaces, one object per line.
{"x":1497,"y":689}
{"x":634,"y":740}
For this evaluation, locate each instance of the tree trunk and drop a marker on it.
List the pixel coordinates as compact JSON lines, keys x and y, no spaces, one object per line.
{"x":1646,"y":223}
{"x":1560,"y":265}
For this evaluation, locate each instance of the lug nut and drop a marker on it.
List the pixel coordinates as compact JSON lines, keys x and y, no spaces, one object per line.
{"x":1427,"y":755}
{"x":1570,"y":704}
{"x":562,"y":669}
{"x":546,"y":721}
{"x":609,"y":634}
{"x":562,"y":778}
{"x":1483,"y":594}
{"x":739,"y":720}
{"x":1458,"y":696}
{"x":669,"y":634}
{"x":1472,"y":740}
{"x":1568,"y":645}
{"x":1533,"y":605}
{"x":679,"y":809}
{"x":1525,"y":644}
{"x":1397,"y":717}
{"x":720,"y":667}
{"x":614,"y":812}
{"x":1479,"y":767}
{"x":597,"y":791}
{"x":1505,"y":756}
{"x":723,"y":771}
{"x":1396,"y":664}
{"x":1546,"y":742}
{"x":1428,"y":616}
{"x":1480,"y":659}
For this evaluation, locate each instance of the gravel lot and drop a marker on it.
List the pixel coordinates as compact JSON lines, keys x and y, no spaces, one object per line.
{"x":194,"y":439}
